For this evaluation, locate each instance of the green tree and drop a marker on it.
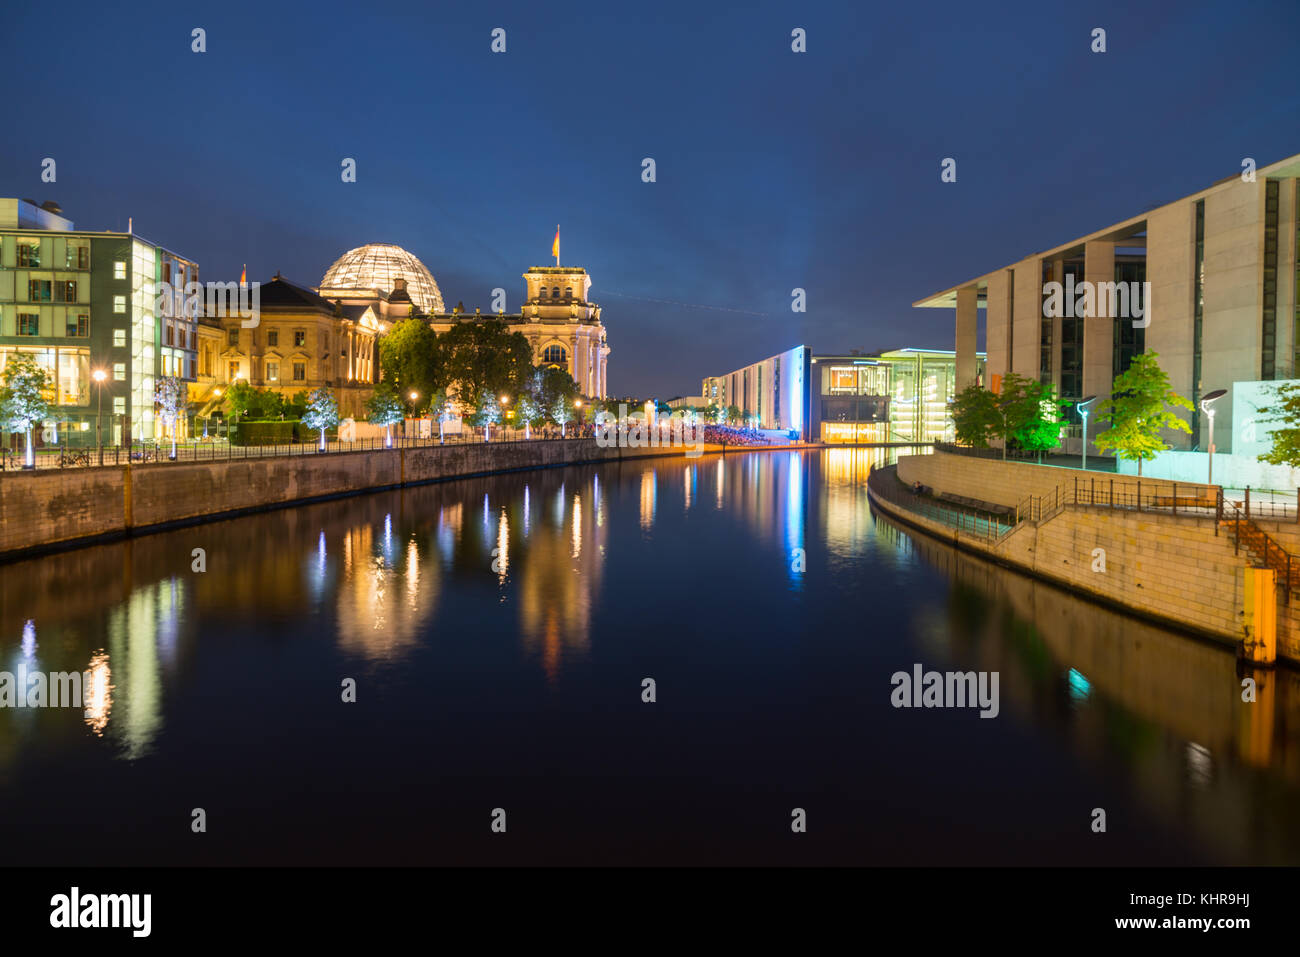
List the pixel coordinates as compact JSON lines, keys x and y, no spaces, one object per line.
{"x":1138,"y":409}
{"x":1033,"y":416}
{"x":322,"y":412}
{"x":240,"y":398}
{"x":297,"y":406}
{"x":384,"y":409}
{"x":411,"y":360}
{"x":555,"y":389}
{"x":482,"y":357}
{"x":1284,"y":408}
{"x":976,"y":416}
{"x":24,"y":390}
{"x":733,"y":414}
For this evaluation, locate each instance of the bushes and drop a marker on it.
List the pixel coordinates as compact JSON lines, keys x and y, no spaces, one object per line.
{"x":274,"y":432}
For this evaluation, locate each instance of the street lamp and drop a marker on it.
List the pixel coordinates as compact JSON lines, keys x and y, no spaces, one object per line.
{"x":1082,"y":406}
{"x":1207,"y":406}
{"x":99,"y":375}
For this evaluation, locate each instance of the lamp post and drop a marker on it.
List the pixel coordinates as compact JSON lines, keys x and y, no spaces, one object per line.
{"x":99,"y":375}
{"x":1207,"y":406}
{"x":505,"y":401}
{"x":1082,"y":406}
{"x":577,"y":404}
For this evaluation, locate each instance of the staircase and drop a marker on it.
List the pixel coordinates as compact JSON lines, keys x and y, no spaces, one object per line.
{"x":1265,"y":548}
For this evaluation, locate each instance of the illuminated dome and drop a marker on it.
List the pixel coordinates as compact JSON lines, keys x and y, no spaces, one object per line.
{"x":376,"y":265}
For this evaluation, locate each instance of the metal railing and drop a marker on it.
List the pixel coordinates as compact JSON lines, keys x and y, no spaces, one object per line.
{"x":1237,"y":518}
{"x":990,"y":525}
{"x":62,"y":457}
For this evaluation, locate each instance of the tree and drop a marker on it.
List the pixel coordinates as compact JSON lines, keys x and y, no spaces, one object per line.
{"x":411,"y":360}
{"x":1284,"y":409}
{"x":733,"y":413}
{"x":384,"y":409}
{"x":484,"y":356}
{"x":24,"y":387}
{"x":240,"y":398}
{"x":297,"y":406}
{"x":556,"y":387}
{"x":976,"y":416}
{"x":440,"y":409}
{"x":322,"y":412}
{"x":528,"y":410}
{"x":172,"y":397}
{"x":1033,"y":415}
{"x":561,"y":411}
{"x":1138,"y":409}
{"x":488,"y":413}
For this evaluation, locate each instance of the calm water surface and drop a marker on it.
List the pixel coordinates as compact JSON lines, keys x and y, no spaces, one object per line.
{"x":499,"y":630}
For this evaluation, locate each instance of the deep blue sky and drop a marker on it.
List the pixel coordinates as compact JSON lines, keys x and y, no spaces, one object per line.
{"x":775,"y":169}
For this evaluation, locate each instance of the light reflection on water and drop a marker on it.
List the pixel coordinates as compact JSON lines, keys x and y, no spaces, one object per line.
{"x":778,"y":589}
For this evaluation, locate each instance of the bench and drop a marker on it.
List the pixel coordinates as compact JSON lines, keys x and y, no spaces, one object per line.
{"x":974,"y":503}
{"x":1170,"y":501}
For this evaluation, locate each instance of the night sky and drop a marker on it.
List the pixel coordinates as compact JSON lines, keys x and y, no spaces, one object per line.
{"x":775,"y":169}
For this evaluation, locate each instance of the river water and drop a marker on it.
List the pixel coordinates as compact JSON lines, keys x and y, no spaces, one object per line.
{"x":498,"y":633}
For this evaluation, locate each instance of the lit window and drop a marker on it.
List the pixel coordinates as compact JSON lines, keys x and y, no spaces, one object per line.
{"x":554,"y":355}
{"x":272,"y":371}
{"x":232,"y":368}
{"x":300,"y":372}
{"x":78,"y":326}
{"x":29,"y":254}
{"x":119,"y":371}
{"x":29,"y":324}
{"x":119,"y":404}
{"x":119,"y":338}
{"x":119,"y":270}
{"x":299,"y":337}
{"x":119,"y":303}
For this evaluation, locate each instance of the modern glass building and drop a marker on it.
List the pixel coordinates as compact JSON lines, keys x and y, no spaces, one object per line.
{"x":82,"y":302}
{"x":897,"y":396}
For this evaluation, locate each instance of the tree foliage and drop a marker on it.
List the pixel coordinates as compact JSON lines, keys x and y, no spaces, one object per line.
{"x":1139,"y":408}
{"x":25,"y":387}
{"x":384,"y":408}
{"x":484,"y":357}
{"x":411,"y":361}
{"x":1284,"y":409}
{"x":976,"y":417}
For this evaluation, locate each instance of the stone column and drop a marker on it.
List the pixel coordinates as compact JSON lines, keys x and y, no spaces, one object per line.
{"x":967,"y":318}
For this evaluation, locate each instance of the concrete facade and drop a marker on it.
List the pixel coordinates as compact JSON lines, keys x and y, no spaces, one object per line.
{"x":1244,"y":266}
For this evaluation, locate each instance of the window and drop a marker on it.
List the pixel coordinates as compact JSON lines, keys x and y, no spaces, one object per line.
{"x":272,"y":337}
{"x":554,"y":355}
{"x":77,"y":256}
{"x":119,"y":338}
{"x":65,"y":290}
{"x":543,"y":296}
{"x":29,"y":324}
{"x":119,"y":371}
{"x":119,"y":303}
{"x":29,"y":254}
{"x":232,"y":370}
{"x":300,"y":372}
{"x":555,"y":292}
{"x":167,"y":334}
{"x":232,"y":337}
{"x":78,"y":326}
{"x":119,"y":270}
{"x":119,"y":405}
{"x":568,"y":293}
{"x":272,"y":371}
{"x":39,"y":290}
{"x":299,"y":337}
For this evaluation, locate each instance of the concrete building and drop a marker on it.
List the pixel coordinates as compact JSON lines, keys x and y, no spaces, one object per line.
{"x":771,"y":393}
{"x":83,"y":301}
{"x":1208,"y":281}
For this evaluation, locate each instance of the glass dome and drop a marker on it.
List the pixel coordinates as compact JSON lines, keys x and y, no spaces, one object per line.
{"x":376,"y":265}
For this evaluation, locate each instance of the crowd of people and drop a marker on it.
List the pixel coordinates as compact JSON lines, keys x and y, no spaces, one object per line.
{"x":727,"y":435}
